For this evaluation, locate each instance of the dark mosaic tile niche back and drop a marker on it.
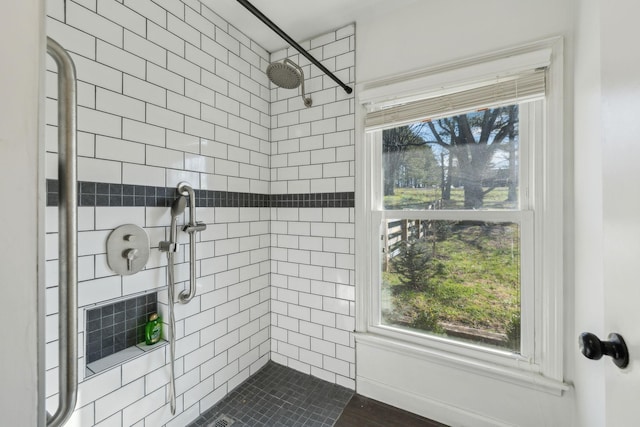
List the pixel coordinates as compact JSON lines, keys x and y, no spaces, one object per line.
{"x":114,"y":327}
{"x":105,"y":194}
{"x":280,"y":396}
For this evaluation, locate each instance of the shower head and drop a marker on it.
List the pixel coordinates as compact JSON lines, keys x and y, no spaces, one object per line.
{"x":288,"y":75}
{"x":283,"y":75}
{"x":177,"y":208}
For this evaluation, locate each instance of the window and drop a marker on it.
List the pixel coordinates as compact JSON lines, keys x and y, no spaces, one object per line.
{"x":462,"y":231}
{"x":455,"y":220}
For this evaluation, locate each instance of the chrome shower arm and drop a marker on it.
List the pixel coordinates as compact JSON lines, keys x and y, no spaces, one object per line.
{"x":307,"y":101}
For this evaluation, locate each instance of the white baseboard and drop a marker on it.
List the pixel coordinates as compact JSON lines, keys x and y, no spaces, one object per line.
{"x":424,"y":406}
{"x":452,"y":392}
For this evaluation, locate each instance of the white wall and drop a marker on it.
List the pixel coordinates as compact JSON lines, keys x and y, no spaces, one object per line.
{"x":20,"y":85}
{"x":431,"y":34}
{"x":589,"y":290}
{"x":620,"y":103}
{"x":435,"y":32}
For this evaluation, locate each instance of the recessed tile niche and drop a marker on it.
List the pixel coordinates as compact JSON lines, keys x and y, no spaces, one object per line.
{"x":115,"y":332}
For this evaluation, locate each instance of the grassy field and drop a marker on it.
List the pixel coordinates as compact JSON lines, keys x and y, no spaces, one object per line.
{"x":419,"y":198}
{"x":472,"y":278}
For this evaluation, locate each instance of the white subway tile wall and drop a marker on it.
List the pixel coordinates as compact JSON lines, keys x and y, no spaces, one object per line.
{"x":152,"y":103}
{"x":169,"y":91}
{"x":312,"y":249}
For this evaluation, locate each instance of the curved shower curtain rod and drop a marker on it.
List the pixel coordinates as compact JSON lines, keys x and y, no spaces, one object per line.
{"x":251,"y":8}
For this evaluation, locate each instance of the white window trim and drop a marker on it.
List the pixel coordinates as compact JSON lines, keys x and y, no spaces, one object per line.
{"x":547,"y":374}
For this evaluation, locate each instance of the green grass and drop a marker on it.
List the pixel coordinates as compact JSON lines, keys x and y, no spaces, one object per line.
{"x":419,"y":198}
{"x":474,"y":280}
{"x":412,"y":198}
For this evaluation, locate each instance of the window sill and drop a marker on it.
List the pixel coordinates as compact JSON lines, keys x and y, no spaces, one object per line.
{"x":510,"y":375}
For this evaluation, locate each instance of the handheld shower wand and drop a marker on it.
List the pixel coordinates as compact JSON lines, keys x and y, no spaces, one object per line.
{"x":171,"y":247}
{"x":177,"y":209}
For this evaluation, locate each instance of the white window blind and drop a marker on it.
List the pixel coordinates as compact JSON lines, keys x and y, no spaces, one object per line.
{"x":522,"y":87}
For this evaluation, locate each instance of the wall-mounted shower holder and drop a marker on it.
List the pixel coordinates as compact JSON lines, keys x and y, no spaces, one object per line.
{"x":127,"y":249}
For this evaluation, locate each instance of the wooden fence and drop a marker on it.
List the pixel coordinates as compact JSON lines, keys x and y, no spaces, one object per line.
{"x":401,"y":230}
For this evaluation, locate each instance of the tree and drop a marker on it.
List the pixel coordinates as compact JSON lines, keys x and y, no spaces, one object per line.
{"x":420,"y":167}
{"x":412,"y":265}
{"x":473,"y":139}
{"x":395,"y":143}
{"x":513,"y":170}
{"x":445,"y":176}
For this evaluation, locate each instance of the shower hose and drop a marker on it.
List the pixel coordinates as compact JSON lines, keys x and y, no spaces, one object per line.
{"x":172,"y":332}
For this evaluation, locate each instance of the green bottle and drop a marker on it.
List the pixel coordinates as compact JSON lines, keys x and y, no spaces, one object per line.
{"x":153,"y":330}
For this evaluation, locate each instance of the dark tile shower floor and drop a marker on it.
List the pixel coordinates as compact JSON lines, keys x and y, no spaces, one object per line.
{"x":279,"y":396}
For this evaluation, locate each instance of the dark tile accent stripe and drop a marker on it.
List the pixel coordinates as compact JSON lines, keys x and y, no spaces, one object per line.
{"x":230,"y":199}
{"x":105,"y":194}
{"x":314,"y":200}
{"x":114,"y":327}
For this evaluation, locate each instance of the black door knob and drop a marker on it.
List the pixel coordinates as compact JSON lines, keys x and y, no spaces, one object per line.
{"x":593,"y":348}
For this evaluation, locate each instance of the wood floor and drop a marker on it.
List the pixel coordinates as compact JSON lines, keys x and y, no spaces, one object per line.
{"x":362,"y":411}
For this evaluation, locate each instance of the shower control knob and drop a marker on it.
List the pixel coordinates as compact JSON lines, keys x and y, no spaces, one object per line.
{"x":127,"y":249}
{"x":130,"y":255}
{"x":593,"y":348}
